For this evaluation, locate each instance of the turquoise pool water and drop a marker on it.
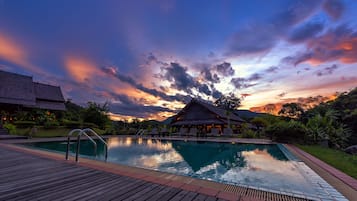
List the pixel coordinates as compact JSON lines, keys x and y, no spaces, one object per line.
{"x":258,"y":166}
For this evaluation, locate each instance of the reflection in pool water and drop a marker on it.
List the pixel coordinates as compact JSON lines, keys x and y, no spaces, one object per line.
{"x":245,"y":164}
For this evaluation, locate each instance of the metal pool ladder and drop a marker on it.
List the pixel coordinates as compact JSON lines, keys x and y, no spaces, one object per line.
{"x":84,"y":132}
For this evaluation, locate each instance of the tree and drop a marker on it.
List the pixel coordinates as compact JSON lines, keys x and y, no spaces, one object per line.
{"x":260,"y":123}
{"x":291,"y":110}
{"x":327,"y":127}
{"x":96,"y":114}
{"x":229,"y":103}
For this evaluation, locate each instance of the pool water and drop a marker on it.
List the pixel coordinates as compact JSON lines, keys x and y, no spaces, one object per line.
{"x":253,"y":165}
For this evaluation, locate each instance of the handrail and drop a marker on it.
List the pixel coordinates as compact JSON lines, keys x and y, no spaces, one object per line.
{"x":83,"y":132}
{"x":69,"y":139}
{"x":101,"y":139}
{"x":78,"y":142}
{"x":140,"y":132}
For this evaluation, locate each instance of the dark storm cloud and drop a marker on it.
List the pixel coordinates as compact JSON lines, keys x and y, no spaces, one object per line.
{"x":263,"y":36}
{"x":216,"y":94}
{"x":209,"y":76}
{"x":338,"y":43}
{"x":179,"y":78}
{"x":306,"y":31}
{"x":225,"y":69}
{"x":327,"y":70}
{"x":242,"y":83}
{"x":132,"y":107}
{"x":212,"y":73}
{"x":334,"y":8}
{"x":132,"y":82}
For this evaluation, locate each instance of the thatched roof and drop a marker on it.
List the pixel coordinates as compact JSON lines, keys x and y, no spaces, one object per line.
{"x":16,"y":89}
{"x":48,"y":92}
{"x":208,"y":114}
{"x":21,"y":90}
{"x":219,"y":111}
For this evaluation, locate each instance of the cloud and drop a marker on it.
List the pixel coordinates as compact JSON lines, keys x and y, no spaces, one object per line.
{"x":282,"y":94}
{"x":272,"y":69}
{"x":327,"y":70}
{"x":336,"y":44}
{"x":180,"y":80}
{"x":243,"y":83}
{"x":127,"y":79}
{"x":245,"y":40}
{"x":334,"y":8}
{"x":132,"y":107}
{"x":342,"y":82}
{"x":305,"y":32}
{"x":82,"y":70}
{"x":208,"y":76}
{"x":225,"y":69}
{"x":12,"y":52}
{"x":260,"y":37}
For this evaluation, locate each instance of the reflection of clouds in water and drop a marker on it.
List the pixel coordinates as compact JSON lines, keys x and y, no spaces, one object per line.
{"x":154,"y":161}
{"x":254,"y":168}
{"x":262,"y":169}
{"x":153,"y":154}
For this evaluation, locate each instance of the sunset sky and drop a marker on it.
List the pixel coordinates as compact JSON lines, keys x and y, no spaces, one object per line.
{"x":147,"y":58}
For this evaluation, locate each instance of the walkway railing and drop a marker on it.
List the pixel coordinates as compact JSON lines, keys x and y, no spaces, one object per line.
{"x":84,"y":132}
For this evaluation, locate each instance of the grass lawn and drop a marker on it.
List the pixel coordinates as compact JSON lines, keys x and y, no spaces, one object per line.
{"x":345,"y":162}
{"x":55,"y":132}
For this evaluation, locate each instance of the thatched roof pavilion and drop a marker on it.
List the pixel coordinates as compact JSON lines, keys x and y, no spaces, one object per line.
{"x":201,"y":114}
{"x":19,"y":91}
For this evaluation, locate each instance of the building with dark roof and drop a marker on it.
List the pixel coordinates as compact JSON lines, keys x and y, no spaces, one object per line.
{"x":19,"y":92}
{"x":205,"y":116}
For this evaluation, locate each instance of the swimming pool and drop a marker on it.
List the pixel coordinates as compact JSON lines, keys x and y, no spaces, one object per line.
{"x":264,"y":167}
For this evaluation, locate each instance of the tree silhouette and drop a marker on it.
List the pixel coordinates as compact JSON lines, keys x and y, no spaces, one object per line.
{"x":228,"y":102}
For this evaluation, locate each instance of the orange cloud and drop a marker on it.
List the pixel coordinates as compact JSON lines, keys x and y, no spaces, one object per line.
{"x":14,"y":53}
{"x":334,"y":46}
{"x":80,"y":69}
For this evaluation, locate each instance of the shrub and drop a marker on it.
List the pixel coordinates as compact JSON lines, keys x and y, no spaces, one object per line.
{"x":25,"y":124}
{"x":50,"y":124}
{"x":288,"y":132}
{"x":89,"y":125}
{"x":11,"y":128}
{"x":71,"y":124}
{"x":248,"y":133}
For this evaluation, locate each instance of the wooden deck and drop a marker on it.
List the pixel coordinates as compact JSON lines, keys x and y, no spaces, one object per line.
{"x":27,"y":177}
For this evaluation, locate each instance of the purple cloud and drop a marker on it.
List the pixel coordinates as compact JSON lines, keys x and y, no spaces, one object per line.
{"x":334,"y":8}
{"x":327,"y":70}
{"x":305,"y":32}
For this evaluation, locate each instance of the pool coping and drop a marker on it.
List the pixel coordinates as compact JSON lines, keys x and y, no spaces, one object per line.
{"x":173,"y":180}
